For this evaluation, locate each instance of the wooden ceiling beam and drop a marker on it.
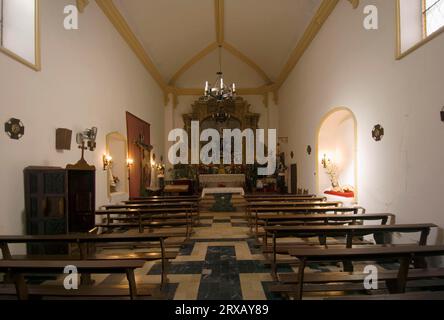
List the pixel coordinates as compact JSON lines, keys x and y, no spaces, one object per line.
{"x":196,"y":58}
{"x":354,"y":3}
{"x":219,"y":15}
{"x":323,"y":12}
{"x":119,"y":22}
{"x":81,"y":5}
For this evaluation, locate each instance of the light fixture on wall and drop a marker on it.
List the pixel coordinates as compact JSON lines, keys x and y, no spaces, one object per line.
{"x":129,"y":164}
{"x":107,"y":160}
{"x":442,"y":114}
{"x":325,"y":161}
{"x":219,"y":91}
{"x":86,"y":141}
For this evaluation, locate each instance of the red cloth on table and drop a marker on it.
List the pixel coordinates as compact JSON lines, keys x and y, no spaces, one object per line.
{"x":348,"y":194}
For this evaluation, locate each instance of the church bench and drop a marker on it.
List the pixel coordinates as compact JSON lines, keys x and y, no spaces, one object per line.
{"x":354,"y":285}
{"x":16,"y":268}
{"x":165,"y":197}
{"x":161,"y":201}
{"x":141,"y":218}
{"x":102,"y":291}
{"x":322,"y":219}
{"x":251,"y":205}
{"x":281,"y":196}
{"x":259,"y":211}
{"x":182,"y":204}
{"x":83,"y":242}
{"x":423,"y":295}
{"x":177,"y":207}
{"x":194,"y":198}
{"x":150,"y":225}
{"x":347,"y":231}
{"x":405,"y":254}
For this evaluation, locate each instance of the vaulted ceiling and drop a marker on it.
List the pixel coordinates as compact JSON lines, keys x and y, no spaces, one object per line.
{"x":257,"y":37}
{"x":178,"y":40}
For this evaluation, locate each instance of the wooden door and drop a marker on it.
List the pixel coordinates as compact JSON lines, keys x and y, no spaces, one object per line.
{"x":138,"y":134}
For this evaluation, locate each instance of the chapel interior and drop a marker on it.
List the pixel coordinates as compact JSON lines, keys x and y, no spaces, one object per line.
{"x":120,"y":179}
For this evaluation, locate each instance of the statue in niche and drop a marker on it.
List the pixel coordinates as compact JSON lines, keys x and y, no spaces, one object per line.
{"x":332,"y":171}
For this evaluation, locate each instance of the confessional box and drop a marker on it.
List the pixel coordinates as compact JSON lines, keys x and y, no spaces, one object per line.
{"x":58,"y":201}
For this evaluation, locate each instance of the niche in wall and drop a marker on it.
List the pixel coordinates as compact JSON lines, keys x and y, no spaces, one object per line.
{"x":336,"y":147}
{"x":117,"y":175}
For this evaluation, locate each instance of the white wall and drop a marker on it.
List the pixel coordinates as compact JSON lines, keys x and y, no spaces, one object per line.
{"x":351,"y":67}
{"x":89,"y":77}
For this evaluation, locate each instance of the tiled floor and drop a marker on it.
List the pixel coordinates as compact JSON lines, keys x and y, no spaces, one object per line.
{"x":220,"y":261}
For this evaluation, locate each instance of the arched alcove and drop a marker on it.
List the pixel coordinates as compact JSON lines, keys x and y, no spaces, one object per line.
{"x":337,"y":149}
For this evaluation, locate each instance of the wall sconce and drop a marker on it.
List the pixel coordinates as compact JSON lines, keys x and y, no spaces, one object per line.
{"x":325,"y":161}
{"x":442,"y":114}
{"x":107,"y":160}
{"x":129,"y":162}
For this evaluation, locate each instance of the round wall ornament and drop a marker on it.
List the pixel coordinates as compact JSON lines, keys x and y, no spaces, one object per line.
{"x":378,"y":132}
{"x":14,"y":128}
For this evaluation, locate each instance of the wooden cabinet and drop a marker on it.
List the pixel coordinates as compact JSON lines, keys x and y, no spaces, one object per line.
{"x":58,"y":201}
{"x":81,"y":200}
{"x":46,"y":194}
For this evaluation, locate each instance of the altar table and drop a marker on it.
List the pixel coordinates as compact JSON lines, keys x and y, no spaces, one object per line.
{"x":222,"y":198}
{"x":227,"y":190}
{"x":216,"y":180}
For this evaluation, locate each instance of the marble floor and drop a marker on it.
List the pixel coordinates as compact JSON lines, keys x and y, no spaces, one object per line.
{"x":221,"y":261}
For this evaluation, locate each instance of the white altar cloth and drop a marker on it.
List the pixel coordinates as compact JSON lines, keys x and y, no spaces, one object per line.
{"x":206,"y":191}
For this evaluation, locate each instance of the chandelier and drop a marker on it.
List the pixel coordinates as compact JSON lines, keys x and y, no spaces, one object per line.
{"x":220,"y":91}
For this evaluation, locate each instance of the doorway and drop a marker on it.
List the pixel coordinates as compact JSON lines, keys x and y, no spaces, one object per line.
{"x":139,"y":151}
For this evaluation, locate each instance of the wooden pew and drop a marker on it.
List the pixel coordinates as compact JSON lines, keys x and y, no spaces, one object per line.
{"x":268,"y":220}
{"x":252,"y":207}
{"x":347,"y":231}
{"x":421,"y":295}
{"x":286,"y":199}
{"x":396,"y":280}
{"x":181,"y":198}
{"x":258,"y":211}
{"x":181,"y":204}
{"x":83,"y":242}
{"x":163,"y":200}
{"x":279,"y":196}
{"x":19,"y":267}
{"x":144,"y":217}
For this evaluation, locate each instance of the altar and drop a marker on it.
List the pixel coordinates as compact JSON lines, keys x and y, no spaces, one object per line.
{"x":222,"y":197}
{"x":222,"y":180}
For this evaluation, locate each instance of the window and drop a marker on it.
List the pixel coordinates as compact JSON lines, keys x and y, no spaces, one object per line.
{"x":19,"y":31}
{"x":418,"y":22}
{"x":433,"y":16}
